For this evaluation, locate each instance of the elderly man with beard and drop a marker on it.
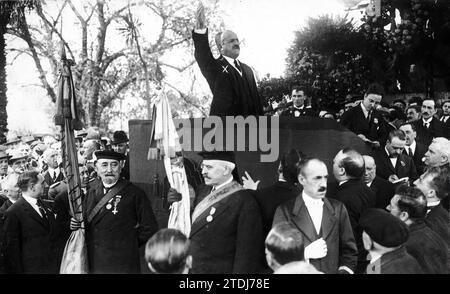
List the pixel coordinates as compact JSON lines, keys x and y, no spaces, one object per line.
{"x":428,"y":127}
{"x":324,"y":223}
{"x":231,"y":81}
{"x":384,"y":190}
{"x":392,"y":164}
{"x":118,"y":218}
{"x":226,"y":233}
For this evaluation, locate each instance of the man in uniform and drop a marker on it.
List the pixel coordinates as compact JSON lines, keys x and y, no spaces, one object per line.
{"x":118,"y":218}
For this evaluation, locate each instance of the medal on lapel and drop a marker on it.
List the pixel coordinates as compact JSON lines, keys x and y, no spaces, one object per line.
{"x":109,"y":206}
{"x":209,"y":218}
{"x":116,"y":202}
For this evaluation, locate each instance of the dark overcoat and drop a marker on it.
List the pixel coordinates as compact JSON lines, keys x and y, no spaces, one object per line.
{"x":384,"y":191}
{"x":395,"y":262}
{"x":114,"y":236}
{"x":231,"y":241}
{"x":438,"y":220}
{"x":233,"y":94}
{"x":335,"y":230}
{"x":424,"y":135}
{"x":30,"y":241}
{"x":404,"y":166}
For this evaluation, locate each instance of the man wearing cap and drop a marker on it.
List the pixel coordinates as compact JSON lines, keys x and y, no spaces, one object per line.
{"x":120,"y":145}
{"x":4,"y":157}
{"x":384,"y":236}
{"x":18,"y":162}
{"x":118,"y":218}
{"x":323,"y":222}
{"x":226,"y":233}
{"x":427,"y":247}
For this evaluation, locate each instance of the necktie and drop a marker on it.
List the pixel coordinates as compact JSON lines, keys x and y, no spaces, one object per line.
{"x":54,"y":176}
{"x":369,"y":116}
{"x":237,"y":66}
{"x":427,"y":125}
{"x":41,"y":209}
{"x":410,"y":152}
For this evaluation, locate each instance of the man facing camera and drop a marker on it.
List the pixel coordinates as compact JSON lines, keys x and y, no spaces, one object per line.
{"x":231,"y":81}
{"x":324,"y":223}
{"x":118,"y":218}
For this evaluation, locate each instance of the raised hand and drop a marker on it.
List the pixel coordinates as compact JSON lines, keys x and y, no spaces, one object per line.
{"x":200,"y":17}
{"x":249,"y":183}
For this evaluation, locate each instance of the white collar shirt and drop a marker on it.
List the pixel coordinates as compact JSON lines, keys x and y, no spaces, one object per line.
{"x":392,"y":159}
{"x":412,"y":147}
{"x":33,"y":202}
{"x":231,"y":61}
{"x":223,"y":184}
{"x":52,"y":171}
{"x":315,"y":210}
{"x":365,"y":111}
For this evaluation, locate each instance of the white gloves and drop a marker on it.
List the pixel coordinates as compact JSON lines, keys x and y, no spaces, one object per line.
{"x":317,"y":249}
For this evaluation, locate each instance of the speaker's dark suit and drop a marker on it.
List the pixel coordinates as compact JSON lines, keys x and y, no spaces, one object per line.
{"x":30,"y":241}
{"x":384,"y":191}
{"x":230,"y":240}
{"x":355,"y":121}
{"x":233,"y":94}
{"x":417,"y":157}
{"x":424,"y":135}
{"x":404,"y":166}
{"x":336,"y":230}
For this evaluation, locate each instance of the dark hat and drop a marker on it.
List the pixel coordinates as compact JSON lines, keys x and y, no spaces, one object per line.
{"x":81,"y":133}
{"x":109,"y":154}
{"x":384,"y":228}
{"x":399,"y":100}
{"x":3,"y":154}
{"x":119,"y":137}
{"x":218,"y":155}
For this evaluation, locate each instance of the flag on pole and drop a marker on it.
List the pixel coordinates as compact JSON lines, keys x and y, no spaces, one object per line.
{"x":74,"y":259}
{"x":164,"y":141}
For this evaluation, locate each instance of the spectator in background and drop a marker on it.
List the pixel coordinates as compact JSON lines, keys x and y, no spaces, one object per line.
{"x":4,"y":157}
{"x":18,"y":162}
{"x":383,"y":189}
{"x":445,"y":118}
{"x":384,"y":237}
{"x":438,"y":153}
{"x":392,"y":164}
{"x":365,"y":120}
{"x":413,"y":113}
{"x":167,"y":252}
{"x":120,"y":145}
{"x":400,"y":104}
{"x":54,"y":173}
{"x":414,"y":149}
{"x":434,"y":184}
{"x":299,"y":107}
{"x":410,"y":206}
{"x":428,"y":127}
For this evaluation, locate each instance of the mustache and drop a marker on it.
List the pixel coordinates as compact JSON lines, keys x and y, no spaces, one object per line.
{"x":322,"y":189}
{"x":236,"y":47}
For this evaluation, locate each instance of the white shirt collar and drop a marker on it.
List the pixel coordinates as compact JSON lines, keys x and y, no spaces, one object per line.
{"x":301,"y":107}
{"x":309,"y":201}
{"x":224,"y":183}
{"x":364,"y":109}
{"x":427,"y":120}
{"x":231,"y":61}
{"x":53,"y":170}
{"x":433,"y":204}
{"x":31,"y":200}
{"x":374,"y":256}
{"x":412,"y":146}
{"x":343,"y":182}
{"x":369,"y":184}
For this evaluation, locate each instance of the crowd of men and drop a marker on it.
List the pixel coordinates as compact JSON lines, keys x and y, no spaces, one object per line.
{"x":379,"y":213}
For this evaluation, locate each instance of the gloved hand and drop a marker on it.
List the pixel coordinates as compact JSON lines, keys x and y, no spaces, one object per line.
{"x":317,"y":249}
{"x":74,"y":224}
{"x":173,"y":196}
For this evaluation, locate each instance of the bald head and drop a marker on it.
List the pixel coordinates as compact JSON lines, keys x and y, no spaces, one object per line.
{"x":370,"y":169}
{"x":438,"y":153}
{"x":228,"y":44}
{"x":348,"y":164}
